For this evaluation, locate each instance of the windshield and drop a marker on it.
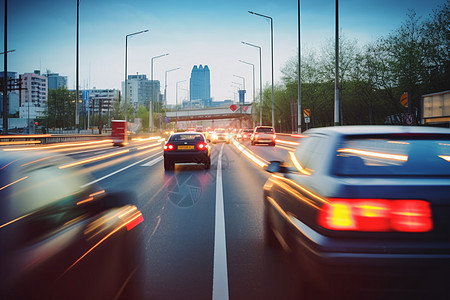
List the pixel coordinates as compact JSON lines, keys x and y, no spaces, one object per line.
{"x":408,"y":157}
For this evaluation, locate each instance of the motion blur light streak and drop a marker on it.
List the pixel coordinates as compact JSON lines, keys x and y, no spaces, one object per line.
{"x":288,"y":142}
{"x":259,"y":161}
{"x":297,"y":164}
{"x":4,"y":187}
{"x":85,"y":161}
{"x":85,"y":200}
{"x":59,"y":145}
{"x":374,"y":154}
{"x":445,"y":157}
{"x":35,"y":161}
{"x":15,"y":220}
{"x":19,"y":143}
{"x":148,"y":146}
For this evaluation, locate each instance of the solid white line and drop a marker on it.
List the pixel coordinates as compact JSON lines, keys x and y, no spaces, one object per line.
{"x":220,"y":272}
{"x":115,"y":172}
{"x":152,"y":162}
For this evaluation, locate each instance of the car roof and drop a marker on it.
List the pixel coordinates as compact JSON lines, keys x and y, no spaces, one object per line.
{"x":376,"y":129}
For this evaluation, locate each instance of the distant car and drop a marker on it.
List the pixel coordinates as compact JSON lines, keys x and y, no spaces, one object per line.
{"x":244,"y":134}
{"x":220,"y":135}
{"x":187,"y":147}
{"x":61,"y":236}
{"x":365,"y":209}
{"x":263,"y":135}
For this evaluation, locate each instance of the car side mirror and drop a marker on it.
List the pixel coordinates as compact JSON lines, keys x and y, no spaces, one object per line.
{"x":276,"y":167}
{"x":208,"y":141}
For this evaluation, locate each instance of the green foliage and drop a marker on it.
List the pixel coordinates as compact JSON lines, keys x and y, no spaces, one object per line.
{"x":414,"y":58}
{"x":60,"y":110}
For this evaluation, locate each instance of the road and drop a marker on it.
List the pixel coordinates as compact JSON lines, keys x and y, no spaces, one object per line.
{"x":203,"y":229}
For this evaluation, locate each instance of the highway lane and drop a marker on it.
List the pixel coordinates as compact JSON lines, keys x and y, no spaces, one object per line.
{"x":180,"y":209}
{"x":179,"y":227}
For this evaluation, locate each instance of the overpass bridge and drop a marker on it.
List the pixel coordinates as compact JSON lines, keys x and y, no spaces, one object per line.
{"x":242,"y":112}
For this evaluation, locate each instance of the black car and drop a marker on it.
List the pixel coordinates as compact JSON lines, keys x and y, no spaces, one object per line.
{"x":365,"y":210}
{"x":62,"y":237}
{"x":187,"y":147}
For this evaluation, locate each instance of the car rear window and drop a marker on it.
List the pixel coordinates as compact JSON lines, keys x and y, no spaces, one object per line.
{"x":264,"y":129}
{"x":410,"y":156}
{"x":186,"y":137}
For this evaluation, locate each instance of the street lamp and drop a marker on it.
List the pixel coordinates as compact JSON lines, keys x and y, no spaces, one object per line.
{"x":271,"y":52}
{"x":150,"y":110}
{"x":243,"y":80}
{"x":260,"y":81}
{"x":176,"y":103}
{"x":253,"y":72}
{"x":126,"y":67}
{"x":165,"y":84}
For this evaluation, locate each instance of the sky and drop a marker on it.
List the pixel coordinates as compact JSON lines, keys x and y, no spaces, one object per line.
{"x":43,"y":35}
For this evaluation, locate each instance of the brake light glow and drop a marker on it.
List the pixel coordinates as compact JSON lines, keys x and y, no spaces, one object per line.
{"x":202,"y":146}
{"x":169,"y":147}
{"x":378,"y":215}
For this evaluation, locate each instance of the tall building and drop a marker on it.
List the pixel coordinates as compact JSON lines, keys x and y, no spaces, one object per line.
{"x":34,"y":95}
{"x":140,"y":90}
{"x":55,"y":81}
{"x":200,"y":85}
{"x":13,"y":96}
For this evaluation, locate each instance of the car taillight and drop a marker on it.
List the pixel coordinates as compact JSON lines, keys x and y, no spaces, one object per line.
{"x":169,"y":147}
{"x":202,"y":146}
{"x":377,"y":215}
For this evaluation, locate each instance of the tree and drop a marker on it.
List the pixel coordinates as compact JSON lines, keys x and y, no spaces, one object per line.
{"x":60,"y":111}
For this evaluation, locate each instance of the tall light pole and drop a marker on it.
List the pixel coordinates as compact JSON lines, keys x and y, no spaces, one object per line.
{"x":271,"y":53}
{"x":77,"y":120}
{"x":5,"y":74}
{"x":336,"y":79}
{"x":260,"y":81}
{"x":150,"y":110}
{"x":165,"y":84}
{"x":126,"y":67}
{"x":176,"y":103}
{"x":253,"y":74}
{"x":243,"y":80}
{"x":299,"y":102}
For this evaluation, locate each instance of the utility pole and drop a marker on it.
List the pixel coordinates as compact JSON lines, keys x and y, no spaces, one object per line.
{"x":5,"y":76}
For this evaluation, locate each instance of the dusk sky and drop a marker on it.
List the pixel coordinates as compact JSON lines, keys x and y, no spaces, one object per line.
{"x":43,"y":33}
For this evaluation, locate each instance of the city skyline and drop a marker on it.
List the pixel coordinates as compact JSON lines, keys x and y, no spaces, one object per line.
{"x":43,"y":34}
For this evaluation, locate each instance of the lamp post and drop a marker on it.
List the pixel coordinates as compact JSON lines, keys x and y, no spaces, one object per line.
{"x":150,"y":110}
{"x":260,"y":81}
{"x":126,"y":67}
{"x":253,"y":73}
{"x":243,"y":80}
{"x":165,"y":84}
{"x":271,"y":53}
{"x":176,"y":103}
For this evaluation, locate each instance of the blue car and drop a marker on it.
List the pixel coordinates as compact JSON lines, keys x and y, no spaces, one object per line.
{"x":365,"y":210}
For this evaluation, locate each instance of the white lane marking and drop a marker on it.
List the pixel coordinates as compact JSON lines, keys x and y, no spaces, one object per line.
{"x":152,"y":162}
{"x":220,"y":272}
{"x":115,"y":172}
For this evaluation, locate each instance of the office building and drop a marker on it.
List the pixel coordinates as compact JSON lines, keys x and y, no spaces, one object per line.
{"x":200,"y":85}
{"x":140,"y":90}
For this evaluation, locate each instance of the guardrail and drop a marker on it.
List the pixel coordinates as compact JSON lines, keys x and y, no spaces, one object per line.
{"x":28,"y":139}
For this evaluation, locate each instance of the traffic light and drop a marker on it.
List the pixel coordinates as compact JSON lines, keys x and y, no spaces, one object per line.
{"x":36,"y":123}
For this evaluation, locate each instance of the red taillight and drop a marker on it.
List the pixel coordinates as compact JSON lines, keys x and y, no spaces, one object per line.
{"x":378,"y":215}
{"x":137,"y":219}
{"x":202,"y":146}
{"x":169,"y":147}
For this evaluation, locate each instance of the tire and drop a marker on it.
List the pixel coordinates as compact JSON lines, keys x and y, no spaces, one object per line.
{"x":168,"y":166}
{"x":208,"y":164}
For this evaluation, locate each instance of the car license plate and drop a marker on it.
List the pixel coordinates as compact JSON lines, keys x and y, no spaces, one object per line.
{"x":185,"y":147}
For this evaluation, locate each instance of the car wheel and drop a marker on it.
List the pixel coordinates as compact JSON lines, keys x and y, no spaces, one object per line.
{"x":208,"y":164}
{"x":168,"y":165}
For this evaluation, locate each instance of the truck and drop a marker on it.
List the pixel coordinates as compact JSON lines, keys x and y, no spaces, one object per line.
{"x":119,"y":132}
